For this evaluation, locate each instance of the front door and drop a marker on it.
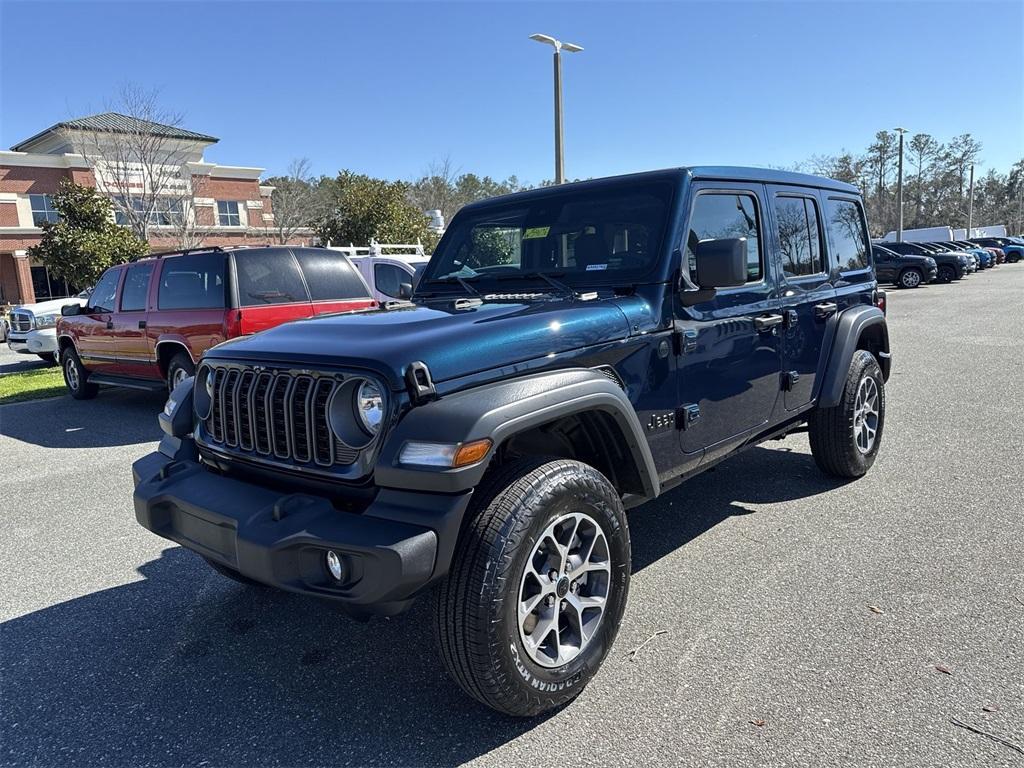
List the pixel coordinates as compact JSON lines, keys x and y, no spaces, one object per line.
{"x":807,"y":293}
{"x":95,"y":338}
{"x":135,"y":356}
{"x":729,"y":345}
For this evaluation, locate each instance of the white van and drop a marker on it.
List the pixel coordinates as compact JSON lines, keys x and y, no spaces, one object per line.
{"x":391,"y":271}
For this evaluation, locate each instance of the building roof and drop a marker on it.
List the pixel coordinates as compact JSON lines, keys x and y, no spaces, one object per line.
{"x":114,"y":122}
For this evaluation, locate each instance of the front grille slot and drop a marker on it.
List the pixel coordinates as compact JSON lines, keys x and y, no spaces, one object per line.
{"x":276,"y":414}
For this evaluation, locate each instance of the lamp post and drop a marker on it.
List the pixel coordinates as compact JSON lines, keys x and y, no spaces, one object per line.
{"x":559,"y":46}
{"x":970,"y":204}
{"x":899,"y":188}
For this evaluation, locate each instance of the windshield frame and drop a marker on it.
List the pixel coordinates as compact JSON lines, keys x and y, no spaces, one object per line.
{"x":666,"y":189}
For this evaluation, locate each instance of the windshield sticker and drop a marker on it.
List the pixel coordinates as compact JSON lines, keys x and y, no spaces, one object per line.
{"x":535,"y":232}
{"x":596,"y":267}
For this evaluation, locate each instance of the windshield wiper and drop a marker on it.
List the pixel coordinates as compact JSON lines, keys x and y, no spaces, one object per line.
{"x":463,"y":281}
{"x":268,"y":295}
{"x":548,"y":278}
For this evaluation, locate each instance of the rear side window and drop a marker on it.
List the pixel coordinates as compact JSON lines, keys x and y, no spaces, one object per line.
{"x":136,"y":287}
{"x":799,"y":236}
{"x":268,"y":276}
{"x":330,"y":275}
{"x":103,"y":295}
{"x":720,"y":215}
{"x":192,"y":282}
{"x":847,"y":235}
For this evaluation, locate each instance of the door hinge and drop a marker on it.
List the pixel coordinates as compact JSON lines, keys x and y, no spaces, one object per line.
{"x":685,"y":339}
{"x":687,"y":415}
{"x":789,"y":380}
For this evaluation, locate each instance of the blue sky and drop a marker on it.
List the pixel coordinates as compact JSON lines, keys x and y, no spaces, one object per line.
{"x":385,"y":88}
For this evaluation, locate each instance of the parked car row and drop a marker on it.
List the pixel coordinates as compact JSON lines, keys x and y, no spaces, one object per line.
{"x":911,"y":264}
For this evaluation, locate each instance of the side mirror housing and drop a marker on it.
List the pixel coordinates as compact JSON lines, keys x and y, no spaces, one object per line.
{"x":721,"y":263}
{"x":70,"y":309}
{"x":405,"y":291}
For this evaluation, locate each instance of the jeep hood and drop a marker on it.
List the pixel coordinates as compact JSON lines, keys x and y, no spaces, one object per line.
{"x":452,"y":342}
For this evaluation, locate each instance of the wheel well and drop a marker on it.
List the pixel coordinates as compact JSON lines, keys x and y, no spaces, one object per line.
{"x":63,"y":342}
{"x":165,"y":350}
{"x":591,"y":437}
{"x":875,"y":340}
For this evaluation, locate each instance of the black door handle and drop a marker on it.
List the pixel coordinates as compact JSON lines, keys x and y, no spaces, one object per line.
{"x":110,"y":324}
{"x":767,"y":322}
{"x":142,"y":324}
{"x":826,"y":309}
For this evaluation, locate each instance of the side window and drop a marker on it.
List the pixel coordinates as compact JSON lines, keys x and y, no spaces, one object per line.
{"x":330,"y":275}
{"x":268,"y":276}
{"x":799,"y":235}
{"x":103,"y":295}
{"x":389,"y":279}
{"x":847,"y":236}
{"x":719,"y":215}
{"x":192,"y":282}
{"x":136,"y":287}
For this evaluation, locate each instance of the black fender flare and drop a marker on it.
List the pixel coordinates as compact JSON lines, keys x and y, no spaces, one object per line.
{"x":850,"y":324}
{"x":501,"y":410}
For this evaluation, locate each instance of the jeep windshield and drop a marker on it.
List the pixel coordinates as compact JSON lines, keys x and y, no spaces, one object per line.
{"x":562,"y":239}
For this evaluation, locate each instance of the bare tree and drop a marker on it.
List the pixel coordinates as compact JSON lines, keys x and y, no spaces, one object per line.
{"x":296,"y":201}
{"x":140,"y":157}
{"x":436,"y":189}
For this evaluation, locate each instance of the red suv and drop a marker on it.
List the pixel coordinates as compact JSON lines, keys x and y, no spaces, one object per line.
{"x":147,"y":323}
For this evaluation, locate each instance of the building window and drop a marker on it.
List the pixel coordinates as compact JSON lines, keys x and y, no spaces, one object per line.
{"x":166,"y":211}
{"x":227,"y":213}
{"x":42,"y":210}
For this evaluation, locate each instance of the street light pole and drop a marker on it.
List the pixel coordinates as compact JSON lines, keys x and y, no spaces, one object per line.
{"x":559,"y":46}
{"x":899,"y":189}
{"x":970,"y":204}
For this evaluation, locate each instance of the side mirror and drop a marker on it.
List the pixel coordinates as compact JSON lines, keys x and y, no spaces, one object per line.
{"x":721,"y":263}
{"x":70,"y":309}
{"x":405,"y":291}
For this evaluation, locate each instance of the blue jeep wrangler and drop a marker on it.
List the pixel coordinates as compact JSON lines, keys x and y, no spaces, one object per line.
{"x":569,"y":353}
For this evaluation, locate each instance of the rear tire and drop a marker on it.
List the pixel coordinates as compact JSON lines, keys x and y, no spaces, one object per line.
{"x":179,"y":369}
{"x":910,"y":278}
{"x":543,"y":558}
{"x":50,"y":358}
{"x":76,"y":378}
{"x":846,"y":437}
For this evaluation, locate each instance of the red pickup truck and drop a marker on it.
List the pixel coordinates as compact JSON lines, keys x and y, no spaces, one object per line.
{"x":147,"y":323}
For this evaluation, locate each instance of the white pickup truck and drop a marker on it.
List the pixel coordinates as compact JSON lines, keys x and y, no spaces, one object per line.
{"x":391,"y":271}
{"x":33,"y":327}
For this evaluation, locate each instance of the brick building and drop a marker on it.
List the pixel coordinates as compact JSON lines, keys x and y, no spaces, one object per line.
{"x":227,"y":204}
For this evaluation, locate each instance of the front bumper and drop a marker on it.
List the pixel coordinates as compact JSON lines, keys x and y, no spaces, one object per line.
{"x":401,"y":543}
{"x":18,"y":342}
{"x":933,"y":273}
{"x":42,"y":342}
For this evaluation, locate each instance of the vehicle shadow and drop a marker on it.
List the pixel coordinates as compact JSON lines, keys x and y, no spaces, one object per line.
{"x":115,"y":417}
{"x":186,"y":667}
{"x":21,"y":363}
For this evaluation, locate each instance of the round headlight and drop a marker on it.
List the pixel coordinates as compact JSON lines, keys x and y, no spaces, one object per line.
{"x":356,"y":411}
{"x":370,"y":406}
{"x":202,"y":393}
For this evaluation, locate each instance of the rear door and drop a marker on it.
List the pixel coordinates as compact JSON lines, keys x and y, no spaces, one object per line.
{"x":806,"y":290}
{"x":191,"y":303}
{"x":334,"y":284}
{"x":134,"y":349}
{"x":95,"y":339}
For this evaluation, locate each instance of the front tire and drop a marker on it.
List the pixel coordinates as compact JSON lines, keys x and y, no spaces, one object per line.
{"x":76,"y":378}
{"x":845,"y":438}
{"x":946,"y":274}
{"x":910,"y":278}
{"x":50,"y":358}
{"x":537,"y":586}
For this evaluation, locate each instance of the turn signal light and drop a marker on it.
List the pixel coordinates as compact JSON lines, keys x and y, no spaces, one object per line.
{"x":471,"y":453}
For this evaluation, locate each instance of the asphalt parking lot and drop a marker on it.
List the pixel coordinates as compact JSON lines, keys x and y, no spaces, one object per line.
{"x":803,"y":621}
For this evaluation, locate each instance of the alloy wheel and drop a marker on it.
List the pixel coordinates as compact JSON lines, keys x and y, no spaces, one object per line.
{"x":564,"y":590}
{"x":911,"y":279}
{"x":71,"y":371}
{"x":866,"y":414}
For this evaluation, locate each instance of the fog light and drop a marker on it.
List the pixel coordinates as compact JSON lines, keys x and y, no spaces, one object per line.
{"x":334,"y":566}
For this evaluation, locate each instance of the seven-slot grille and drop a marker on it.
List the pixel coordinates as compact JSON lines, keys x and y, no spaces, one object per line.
{"x":21,"y":322}
{"x":275,"y":414}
